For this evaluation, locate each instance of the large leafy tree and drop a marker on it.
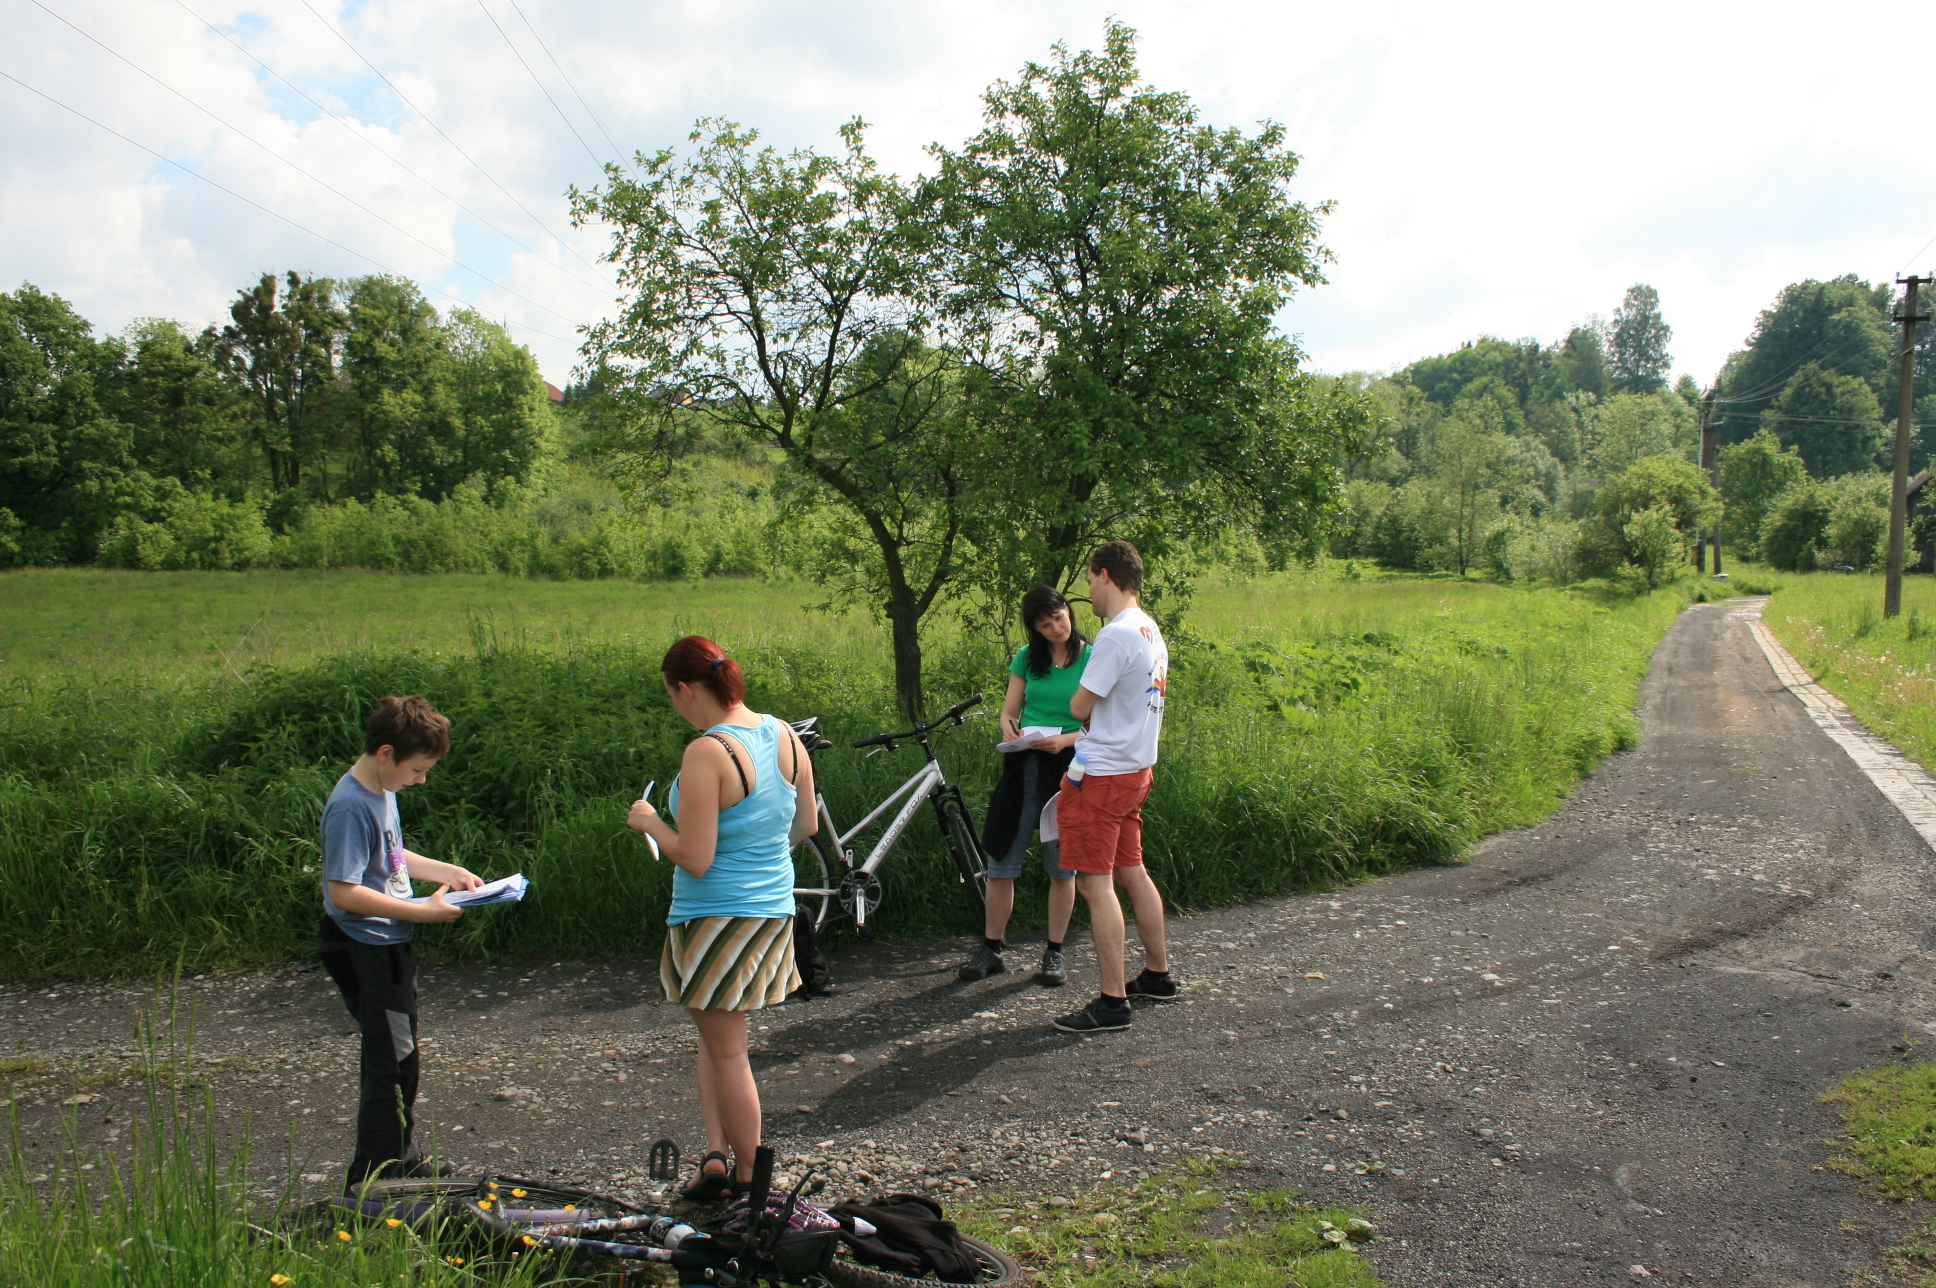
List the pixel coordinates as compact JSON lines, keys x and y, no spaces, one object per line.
{"x":780,"y":298}
{"x":1841,"y":325}
{"x":283,"y":345}
{"x":188,"y":417}
{"x":1753,"y":474}
{"x":1833,"y":420}
{"x":1637,"y":339}
{"x":1115,"y":268}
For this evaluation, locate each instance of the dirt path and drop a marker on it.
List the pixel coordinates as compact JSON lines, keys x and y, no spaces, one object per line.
{"x":1596,"y":1047}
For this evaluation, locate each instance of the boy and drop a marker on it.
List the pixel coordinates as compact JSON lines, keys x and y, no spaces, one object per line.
{"x":365,"y":938}
{"x":1120,"y":700}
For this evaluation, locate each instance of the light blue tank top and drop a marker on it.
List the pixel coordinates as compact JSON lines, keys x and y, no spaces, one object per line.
{"x":752,"y":870}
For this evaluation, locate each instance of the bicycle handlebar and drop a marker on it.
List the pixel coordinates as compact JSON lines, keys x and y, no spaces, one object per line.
{"x":953,"y":713}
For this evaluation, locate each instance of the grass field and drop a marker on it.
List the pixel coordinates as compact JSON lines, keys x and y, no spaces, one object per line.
{"x":1885,"y":669}
{"x":167,"y":740}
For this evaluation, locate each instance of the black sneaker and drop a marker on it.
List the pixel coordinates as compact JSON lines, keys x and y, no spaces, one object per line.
{"x":986,"y":961}
{"x":1156,"y":988}
{"x":1052,"y":972}
{"x":1100,"y":1016}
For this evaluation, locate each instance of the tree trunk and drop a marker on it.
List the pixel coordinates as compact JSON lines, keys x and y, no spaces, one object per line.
{"x":904,"y":617}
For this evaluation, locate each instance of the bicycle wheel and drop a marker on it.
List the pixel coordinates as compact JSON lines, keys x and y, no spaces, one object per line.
{"x":966,"y":847}
{"x":998,"y":1270}
{"x":812,"y":872}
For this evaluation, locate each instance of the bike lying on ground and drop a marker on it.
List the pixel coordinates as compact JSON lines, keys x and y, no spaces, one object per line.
{"x":843,"y":888}
{"x":766,"y":1238}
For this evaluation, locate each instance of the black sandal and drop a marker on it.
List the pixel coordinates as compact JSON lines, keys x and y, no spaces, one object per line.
{"x":709,"y":1187}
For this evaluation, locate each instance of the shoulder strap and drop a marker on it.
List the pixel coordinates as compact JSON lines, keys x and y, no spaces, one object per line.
{"x":733,"y":756}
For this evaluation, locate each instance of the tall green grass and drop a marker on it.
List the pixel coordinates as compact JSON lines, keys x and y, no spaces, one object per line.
{"x":1884,"y":668}
{"x":146,"y":822}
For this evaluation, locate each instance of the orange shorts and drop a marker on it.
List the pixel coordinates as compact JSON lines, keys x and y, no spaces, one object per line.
{"x":1101,"y":820}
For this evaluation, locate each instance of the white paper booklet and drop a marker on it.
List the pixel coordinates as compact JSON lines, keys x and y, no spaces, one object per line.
{"x":503,"y":890}
{"x":1030,"y":736}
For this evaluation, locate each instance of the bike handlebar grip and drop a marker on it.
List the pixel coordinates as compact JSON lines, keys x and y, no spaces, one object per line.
{"x":878,"y":740}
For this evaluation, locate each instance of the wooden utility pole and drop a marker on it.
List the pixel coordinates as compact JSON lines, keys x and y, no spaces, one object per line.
{"x":1711,"y":462}
{"x":1905,"y":410}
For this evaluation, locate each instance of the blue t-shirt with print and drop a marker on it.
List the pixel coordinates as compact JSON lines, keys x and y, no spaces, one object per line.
{"x":363,"y":845}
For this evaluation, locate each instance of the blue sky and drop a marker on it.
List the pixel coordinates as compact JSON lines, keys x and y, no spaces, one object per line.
{"x":1502,"y":168}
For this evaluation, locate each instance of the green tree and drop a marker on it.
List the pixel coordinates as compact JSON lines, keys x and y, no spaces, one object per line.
{"x":1468,"y":480}
{"x":1655,"y":544}
{"x":187,"y":416}
{"x":1632,"y":427}
{"x":406,"y":433}
{"x":1842,"y":325}
{"x":67,"y":465}
{"x":1796,"y":528}
{"x":1858,"y":519}
{"x":1637,"y":340}
{"x":282,"y":348}
{"x":1672,"y":481}
{"x":1833,"y":420}
{"x":1116,"y":267}
{"x":505,"y":420}
{"x":767,"y":294}
{"x":1582,"y":360}
{"x":1753,"y":474}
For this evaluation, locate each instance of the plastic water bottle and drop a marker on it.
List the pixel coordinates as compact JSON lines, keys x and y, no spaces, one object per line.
{"x":1077,"y":768}
{"x":668,"y":1232}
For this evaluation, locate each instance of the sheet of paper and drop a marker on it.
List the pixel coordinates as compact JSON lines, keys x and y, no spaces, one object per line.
{"x":1031,"y":735}
{"x":1050,"y":825}
{"x":503,"y":890}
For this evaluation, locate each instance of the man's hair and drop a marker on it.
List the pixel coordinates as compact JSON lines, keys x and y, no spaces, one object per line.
{"x":408,"y":727}
{"x":1120,"y":560}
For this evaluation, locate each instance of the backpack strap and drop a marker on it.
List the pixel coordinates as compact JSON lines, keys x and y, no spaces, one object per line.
{"x":733,"y":756}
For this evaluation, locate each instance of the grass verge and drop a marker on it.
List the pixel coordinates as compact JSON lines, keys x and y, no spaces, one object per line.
{"x":1884,"y":668}
{"x":1176,"y":1229}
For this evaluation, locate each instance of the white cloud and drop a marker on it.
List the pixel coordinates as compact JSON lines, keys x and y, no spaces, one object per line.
{"x":1501,"y":167}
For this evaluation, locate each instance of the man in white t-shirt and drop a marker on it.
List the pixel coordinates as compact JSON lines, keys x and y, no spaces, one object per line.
{"x":1100,"y":811}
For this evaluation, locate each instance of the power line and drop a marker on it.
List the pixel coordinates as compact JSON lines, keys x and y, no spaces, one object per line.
{"x":445,"y":137}
{"x":245,"y":135}
{"x":566,"y":77}
{"x":220,"y":187}
{"x":370,"y":143}
{"x":541,"y":87}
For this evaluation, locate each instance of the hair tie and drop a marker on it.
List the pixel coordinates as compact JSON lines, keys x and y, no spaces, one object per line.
{"x":720,"y":660}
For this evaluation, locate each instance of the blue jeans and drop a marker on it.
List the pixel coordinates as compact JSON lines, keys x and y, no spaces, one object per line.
{"x":1009,"y":866}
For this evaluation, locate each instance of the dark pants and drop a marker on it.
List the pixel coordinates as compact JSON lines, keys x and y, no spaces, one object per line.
{"x":379,"y":985}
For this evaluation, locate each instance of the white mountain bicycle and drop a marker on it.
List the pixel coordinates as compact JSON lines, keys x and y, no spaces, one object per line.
{"x":841,"y":888}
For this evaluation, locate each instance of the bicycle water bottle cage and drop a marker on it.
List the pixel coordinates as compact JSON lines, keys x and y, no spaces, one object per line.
{"x":663,"y":1161}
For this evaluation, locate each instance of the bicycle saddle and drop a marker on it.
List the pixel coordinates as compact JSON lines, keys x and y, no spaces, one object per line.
{"x":810,"y":735}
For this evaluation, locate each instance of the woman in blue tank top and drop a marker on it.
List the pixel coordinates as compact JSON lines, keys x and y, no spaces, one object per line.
{"x":743,"y":799}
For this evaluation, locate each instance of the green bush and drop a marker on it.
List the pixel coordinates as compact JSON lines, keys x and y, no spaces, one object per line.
{"x":183,"y":820}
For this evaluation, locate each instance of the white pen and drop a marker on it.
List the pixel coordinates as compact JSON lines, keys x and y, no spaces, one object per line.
{"x":646,"y":797}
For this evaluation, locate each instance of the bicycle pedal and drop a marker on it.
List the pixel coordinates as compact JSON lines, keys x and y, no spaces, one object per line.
{"x":662,"y":1164}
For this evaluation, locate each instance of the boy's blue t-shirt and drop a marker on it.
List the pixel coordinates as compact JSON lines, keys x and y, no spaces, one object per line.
{"x":363,"y":844}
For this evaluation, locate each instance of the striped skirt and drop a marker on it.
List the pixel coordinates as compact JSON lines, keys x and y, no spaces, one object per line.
{"x":729,"y":963}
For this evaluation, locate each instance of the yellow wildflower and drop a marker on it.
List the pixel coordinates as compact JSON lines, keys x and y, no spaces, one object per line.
{"x":280,"y":1280}
{"x":530,"y":1242}
{"x":392,"y":1222}
{"x":344,"y":1235}
{"x":484,"y":1203}
{"x":518,"y":1194}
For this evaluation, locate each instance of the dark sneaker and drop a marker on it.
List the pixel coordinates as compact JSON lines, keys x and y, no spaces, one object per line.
{"x":1156,"y":988}
{"x":1100,"y":1016}
{"x":1051,"y":974}
{"x":986,"y":961}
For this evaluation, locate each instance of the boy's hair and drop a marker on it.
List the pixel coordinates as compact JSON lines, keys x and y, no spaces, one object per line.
{"x":1120,"y":560}
{"x":408,"y":727}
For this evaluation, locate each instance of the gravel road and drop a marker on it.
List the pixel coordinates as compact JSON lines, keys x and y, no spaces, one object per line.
{"x":1592,"y":1052}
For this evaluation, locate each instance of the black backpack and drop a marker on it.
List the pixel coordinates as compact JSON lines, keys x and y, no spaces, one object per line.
{"x":816,"y":980}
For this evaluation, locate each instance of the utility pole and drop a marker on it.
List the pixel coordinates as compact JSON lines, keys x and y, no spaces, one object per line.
{"x":1711,"y":462}
{"x":1905,"y":409}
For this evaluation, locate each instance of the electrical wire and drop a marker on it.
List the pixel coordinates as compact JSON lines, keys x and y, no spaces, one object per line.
{"x":541,"y":86}
{"x":313,"y":178}
{"x":569,"y":84}
{"x":273,"y":214}
{"x":425,"y":116}
{"x":371,"y":144}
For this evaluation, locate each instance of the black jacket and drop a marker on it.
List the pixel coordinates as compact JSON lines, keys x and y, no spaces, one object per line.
{"x":1004,"y":815}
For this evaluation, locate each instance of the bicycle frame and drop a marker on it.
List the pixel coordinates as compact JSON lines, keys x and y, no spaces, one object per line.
{"x":927,"y":786}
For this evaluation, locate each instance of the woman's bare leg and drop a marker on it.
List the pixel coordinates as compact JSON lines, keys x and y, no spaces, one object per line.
{"x":729,"y":1100}
{"x":1062,"y":906}
{"x":1000,"y":901}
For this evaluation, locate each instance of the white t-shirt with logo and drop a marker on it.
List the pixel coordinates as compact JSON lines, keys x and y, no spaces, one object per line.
{"x":1128,"y":671}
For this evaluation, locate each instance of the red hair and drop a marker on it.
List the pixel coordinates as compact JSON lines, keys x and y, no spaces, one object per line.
{"x":697,"y":661}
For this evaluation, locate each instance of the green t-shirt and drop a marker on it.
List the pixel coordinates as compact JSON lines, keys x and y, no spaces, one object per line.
{"x":1045,"y":700}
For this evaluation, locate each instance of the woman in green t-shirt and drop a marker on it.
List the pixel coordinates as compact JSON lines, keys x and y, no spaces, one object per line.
{"x":1042,"y":680}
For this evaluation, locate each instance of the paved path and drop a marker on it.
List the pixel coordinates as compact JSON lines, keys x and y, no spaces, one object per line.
{"x":1598,"y":1046}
